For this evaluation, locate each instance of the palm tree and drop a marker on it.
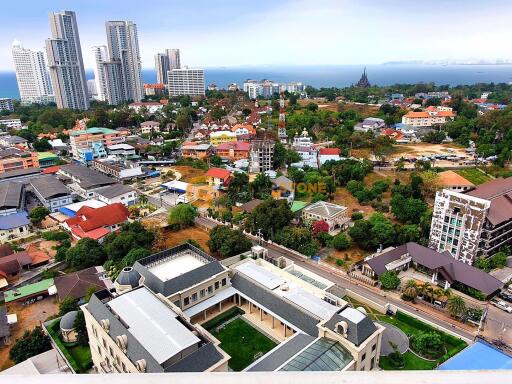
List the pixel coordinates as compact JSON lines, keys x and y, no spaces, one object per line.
{"x":428,"y":291}
{"x":411,"y":283}
{"x":456,"y":306}
{"x":411,"y":293}
{"x":143,"y":199}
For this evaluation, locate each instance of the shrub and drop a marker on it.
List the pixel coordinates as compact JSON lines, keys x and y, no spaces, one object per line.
{"x":428,"y":344}
{"x":340,"y":242}
{"x":389,"y":280}
{"x":357,"y":216}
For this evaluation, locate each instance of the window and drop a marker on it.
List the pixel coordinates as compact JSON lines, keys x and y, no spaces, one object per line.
{"x":223,"y":281}
{"x":452,"y":221}
{"x":456,"y":210}
{"x":216,"y":285}
{"x":446,"y":219}
{"x":186,"y":301}
{"x":202,"y":292}
{"x":374,"y":347}
{"x":210,"y":289}
{"x":194,"y":297}
{"x":455,"y":241}
{"x":459,"y":223}
{"x":363,"y":357}
{"x":110,"y":351}
{"x":372,"y":363}
{"x":457,"y":232}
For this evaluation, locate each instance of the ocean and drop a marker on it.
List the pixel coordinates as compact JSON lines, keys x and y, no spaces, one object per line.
{"x":329,"y":76}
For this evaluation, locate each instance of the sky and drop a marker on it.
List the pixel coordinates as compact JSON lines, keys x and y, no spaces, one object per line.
{"x":277,"y":32}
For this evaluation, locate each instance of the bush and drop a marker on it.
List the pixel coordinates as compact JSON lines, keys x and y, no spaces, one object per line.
{"x":428,"y":344}
{"x":357,"y":216}
{"x":30,"y":344}
{"x":389,"y":280}
{"x":340,"y":262}
{"x":340,"y":242}
{"x":55,"y":236}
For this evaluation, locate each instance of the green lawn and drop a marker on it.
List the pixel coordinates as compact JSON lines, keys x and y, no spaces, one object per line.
{"x":412,"y":363}
{"x":242,"y":342}
{"x":82,"y":355}
{"x":474,"y":175}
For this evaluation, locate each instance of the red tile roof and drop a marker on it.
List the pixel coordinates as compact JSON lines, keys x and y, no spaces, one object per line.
{"x":51,"y":170}
{"x":218,"y":173}
{"x":236,"y":145}
{"x":88,"y":219}
{"x":330,"y":151}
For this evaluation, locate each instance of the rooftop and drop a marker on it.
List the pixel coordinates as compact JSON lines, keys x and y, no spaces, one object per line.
{"x":49,"y":186}
{"x":114,"y":190}
{"x":10,"y":194}
{"x":324,"y":209}
{"x":95,"y":131}
{"x":479,"y":355}
{"x":28,"y":290}
{"x":87,"y":178}
{"x":14,"y":220}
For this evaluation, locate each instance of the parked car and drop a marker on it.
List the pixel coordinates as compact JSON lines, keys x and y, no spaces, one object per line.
{"x":506,"y":295}
{"x":502,"y":305}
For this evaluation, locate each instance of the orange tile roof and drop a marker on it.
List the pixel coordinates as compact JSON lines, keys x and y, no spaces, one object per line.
{"x":218,"y":173}
{"x":413,"y":114}
{"x":445,"y":114}
{"x":330,"y":151}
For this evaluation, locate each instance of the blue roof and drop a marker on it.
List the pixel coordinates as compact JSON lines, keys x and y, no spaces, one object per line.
{"x":480,"y":355}
{"x":14,"y":220}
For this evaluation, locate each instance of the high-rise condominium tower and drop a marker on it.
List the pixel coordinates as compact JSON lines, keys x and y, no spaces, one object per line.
{"x":31,"y":74}
{"x":123,"y":49}
{"x":164,"y":62}
{"x":174,"y":58}
{"x":100,"y":56}
{"x":65,"y":61}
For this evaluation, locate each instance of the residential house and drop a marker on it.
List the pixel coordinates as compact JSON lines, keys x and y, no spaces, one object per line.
{"x":193,"y":150}
{"x":121,"y":150}
{"x":11,"y":197}
{"x":14,"y":226}
{"x":370,"y":124}
{"x":13,"y":141}
{"x":454,"y":182}
{"x":51,"y":192}
{"x":283,"y":188}
{"x":117,"y":193}
{"x":148,"y":127}
{"x":151,"y":107}
{"x":120,"y":170}
{"x":218,"y":177}
{"x":47,"y":159}
{"x":220,"y":137}
{"x":78,"y":284}
{"x":243,"y":129}
{"x":428,"y":118}
{"x":96,"y":223}
{"x":11,"y":123}
{"x":233,"y":151}
{"x":82,"y":180}
{"x":328,"y":154}
{"x":336,"y":216}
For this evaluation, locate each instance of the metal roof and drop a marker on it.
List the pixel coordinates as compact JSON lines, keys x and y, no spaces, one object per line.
{"x":67,"y":322}
{"x":260,"y":275}
{"x":88,"y":178}
{"x":153,"y":324}
{"x":311,"y":303}
{"x":10,"y":194}
{"x":48,"y":186}
{"x":114,"y":190}
{"x":14,"y":220}
{"x":324,"y":209}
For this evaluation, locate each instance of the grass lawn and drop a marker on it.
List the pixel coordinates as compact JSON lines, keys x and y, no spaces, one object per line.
{"x":242,"y":342}
{"x":412,"y":363}
{"x":474,"y":175}
{"x":82,"y":355}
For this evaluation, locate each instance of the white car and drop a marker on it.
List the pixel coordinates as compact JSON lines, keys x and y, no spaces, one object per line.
{"x":502,"y":305}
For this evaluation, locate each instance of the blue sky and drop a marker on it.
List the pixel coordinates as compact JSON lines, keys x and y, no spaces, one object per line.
{"x":278,"y":32}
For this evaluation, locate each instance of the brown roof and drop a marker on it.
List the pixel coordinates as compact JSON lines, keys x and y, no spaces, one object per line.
{"x":451,"y":178}
{"x":251,"y":205}
{"x":451,"y":269}
{"x":23,"y":258}
{"x":6,"y":250}
{"x":499,"y":192}
{"x":76,"y":284}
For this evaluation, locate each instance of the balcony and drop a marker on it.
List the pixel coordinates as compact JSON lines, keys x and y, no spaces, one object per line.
{"x":106,"y":367}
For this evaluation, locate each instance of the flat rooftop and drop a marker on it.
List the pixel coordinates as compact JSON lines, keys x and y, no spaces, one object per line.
{"x":153,"y":324}
{"x":170,"y":268}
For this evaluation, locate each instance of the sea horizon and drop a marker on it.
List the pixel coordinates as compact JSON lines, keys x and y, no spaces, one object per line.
{"x":328,"y":75}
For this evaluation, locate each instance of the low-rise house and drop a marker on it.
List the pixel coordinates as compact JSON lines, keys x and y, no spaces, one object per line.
{"x":78,"y":284}
{"x":41,"y":289}
{"x":194,"y":150}
{"x":309,"y":156}
{"x":47,"y":159}
{"x":84,"y":181}
{"x":117,"y":193}
{"x":454,"y":182}
{"x":243,"y":129}
{"x":11,"y":123}
{"x":13,"y":141}
{"x":96,"y":223}
{"x":13,"y":159}
{"x":373,"y":124}
{"x":14,"y":226}
{"x":11,"y":197}
{"x":441,"y":268}
{"x":218,"y":177}
{"x":336,"y":216}
{"x":121,"y":150}
{"x":51,"y":192}
{"x":428,"y":118}
{"x":150,"y":106}
{"x":233,"y":151}
{"x":148,"y":127}
{"x":219,"y":137}
{"x":328,"y":154}
{"x":12,"y":265}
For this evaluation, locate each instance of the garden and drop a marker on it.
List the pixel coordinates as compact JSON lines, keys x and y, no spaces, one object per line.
{"x":239,"y":339}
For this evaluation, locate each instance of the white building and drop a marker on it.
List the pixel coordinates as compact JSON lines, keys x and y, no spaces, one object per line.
{"x":303,"y":144}
{"x":100,"y":56}
{"x":11,"y":123}
{"x":6,"y":104}
{"x":252,"y":88}
{"x":65,"y":62}
{"x":336,"y":216}
{"x":149,"y":126}
{"x":117,"y":193}
{"x":122,"y":149}
{"x":31,"y":74}
{"x":186,"y":81}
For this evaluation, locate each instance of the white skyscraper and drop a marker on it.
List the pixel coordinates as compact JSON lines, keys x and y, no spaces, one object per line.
{"x":186,"y":81}
{"x":31,"y":74}
{"x":174,"y":58}
{"x":123,"y":48}
{"x":65,"y":62}
{"x":100,"y":56}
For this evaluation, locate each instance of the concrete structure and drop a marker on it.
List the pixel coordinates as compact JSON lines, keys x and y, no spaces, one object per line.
{"x":6,"y":104}
{"x":14,"y":226}
{"x":336,"y":216}
{"x":162,"y":67}
{"x":123,"y":48}
{"x":12,"y":197}
{"x":51,"y":192}
{"x":261,"y":156}
{"x":67,"y":327}
{"x":120,"y":170}
{"x":303,"y":144}
{"x":328,"y":154}
{"x":84,"y":181}
{"x":31,"y":74}
{"x":196,"y":151}
{"x":454,"y":182}
{"x":90,"y":144}
{"x":427,"y":118}
{"x":139,"y":331}
{"x":475,"y":223}
{"x":49,"y":364}
{"x":13,"y":141}
{"x":14,"y":159}
{"x":233,"y":151}
{"x":121,"y":150}
{"x":100,"y":56}
{"x":155,"y":89}
{"x":117,"y":193}
{"x":148,"y":127}
{"x":65,"y":62}
{"x":186,"y":81}
{"x":11,"y":123}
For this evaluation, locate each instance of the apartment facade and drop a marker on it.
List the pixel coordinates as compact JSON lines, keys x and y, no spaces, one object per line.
{"x":100,"y":56}
{"x":31,"y":74}
{"x":65,"y":62}
{"x":12,"y":159}
{"x":6,"y":104}
{"x":427,"y":118}
{"x":473,"y":224}
{"x":83,"y":141}
{"x":186,"y":81}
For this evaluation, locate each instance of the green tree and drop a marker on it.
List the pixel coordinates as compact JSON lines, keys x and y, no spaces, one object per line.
{"x":80,"y":328}
{"x":134,"y":255}
{"x":389,"y":280}
{"x":182,"y":216}
{"x":86,"y":253}
{"x":261,"y":187}
{"x":408,"y":233}
{"x":228,"y":242}
{"x":456,"y":306}
{"x":407,"y":210}
{"x":429,"y":344}
{"x":340,"y":242}
{"x":32,"y":343}
{"x":298,"y":239}
{"x":132,"y":236}
{"x":38,"y":214}
{"x":269,"y":217}
{"x":68,"y":304}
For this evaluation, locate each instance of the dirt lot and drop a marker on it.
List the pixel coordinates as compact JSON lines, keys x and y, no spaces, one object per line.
{"x":175,"y":238}
{"x":189,"y":174}
{"x":29,"y":316}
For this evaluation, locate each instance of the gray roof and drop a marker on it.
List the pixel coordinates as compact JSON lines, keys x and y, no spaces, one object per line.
{"x":10,"y":194}
{"x":451,"y":269}
{"x":128,"y":276}
{"x":20,"y":173}
{"x":360,"y":326}
{"x":49,"y":187}
{"x":293,"y":314}
{"x":282,"y":353}
{"x":324,"y":209}
{"x":67,"y":322}
{"x":198,"y":361}
{"x":88,"y":178}
{"x":114,"y":190}
{"x":181,"y":282}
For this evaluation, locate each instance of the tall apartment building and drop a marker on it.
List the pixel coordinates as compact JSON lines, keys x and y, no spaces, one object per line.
{"x":31,"y":74}
{"x":475,"y":223}
{"x":66,"y":63}
{"x":261,"y":156}
{"x":164,"y":62}
{"x":100,"y":55}
{"x":6,"y":104}
{"x":186,"y":81}
{"x":91,"y":143}
{"x":174,"y":58}
{"x":123,"y":49}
